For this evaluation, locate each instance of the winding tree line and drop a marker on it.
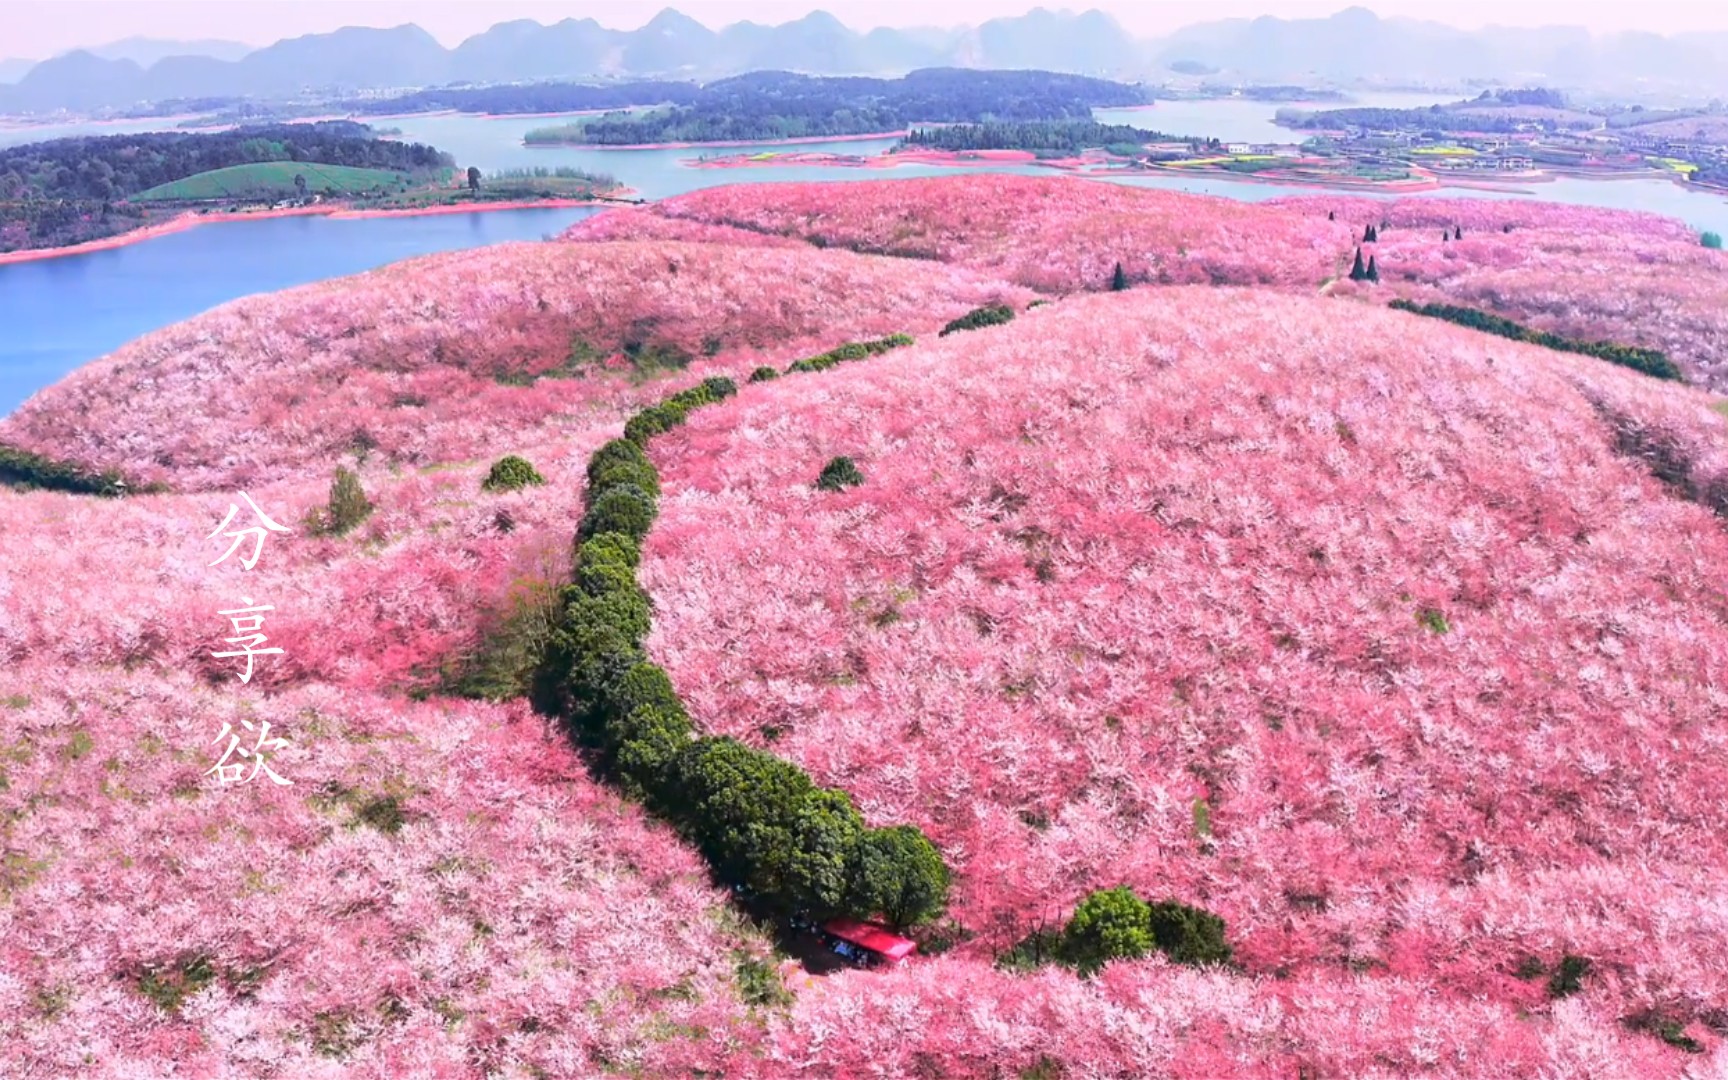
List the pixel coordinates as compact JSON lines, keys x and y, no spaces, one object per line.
{"x":762,"y":823}
{"x":1650,"y":361}
{"x":780,"y":105}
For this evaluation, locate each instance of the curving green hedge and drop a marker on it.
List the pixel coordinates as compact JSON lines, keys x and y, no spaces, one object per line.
{"x":762,"y":823}
{"x":977,"y":318}
{"x":30,"y":471}
{"x":1649,"y":361}
{"x":852,"y":350}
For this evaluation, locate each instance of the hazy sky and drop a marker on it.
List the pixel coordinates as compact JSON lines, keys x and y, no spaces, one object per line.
{"x":40,"y":28}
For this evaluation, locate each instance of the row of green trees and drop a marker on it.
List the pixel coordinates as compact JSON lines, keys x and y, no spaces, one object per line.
{"x":1649,"y":361}
{"x":763,"y":823}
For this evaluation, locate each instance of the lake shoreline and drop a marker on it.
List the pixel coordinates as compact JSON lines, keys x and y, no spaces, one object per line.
{"x":192,"y":219}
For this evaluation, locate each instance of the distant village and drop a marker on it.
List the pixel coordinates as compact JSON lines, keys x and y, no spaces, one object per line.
{"x":1369,"y":155}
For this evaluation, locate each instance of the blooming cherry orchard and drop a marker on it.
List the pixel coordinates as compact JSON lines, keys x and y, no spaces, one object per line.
{"x":443,"y":892}
{"x":1598,"y":275}
{"x":1400,"y":647}
{"x":453,"y":357}
{"x":1379,"y":594}
{"x":1053,"y":234}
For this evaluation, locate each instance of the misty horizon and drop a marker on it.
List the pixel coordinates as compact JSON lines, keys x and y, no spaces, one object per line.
{"x":39,"y":30}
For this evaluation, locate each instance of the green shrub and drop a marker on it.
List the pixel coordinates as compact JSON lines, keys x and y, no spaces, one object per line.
{"x":839,"y":474}
{"x":1711,"y":240}
{"x":1188,"y":935}
{"x":614,"y":548}
{"x":719,"y":387}
{"x":1110,"y":924}
{"x":1568,"y":977}
{"x":623,"y":509}
{"x":739,"y":802}
{"x":763,"y":374}
{"x":647,"y":746}
{"x":511,"y":474}
{"x":604,"y":578}
{"x":618,"y":463}
{"x":644,"y":685}
{"x":989,"y":315}
{"x":616,"y":452}
{"x":348,"y":505}
{"x":655,"y":420}
{"x":813,"y":872}
{"x":622,"y":474}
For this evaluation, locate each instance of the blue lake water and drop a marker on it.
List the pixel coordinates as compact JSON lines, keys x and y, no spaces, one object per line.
{"x":56,"y":314}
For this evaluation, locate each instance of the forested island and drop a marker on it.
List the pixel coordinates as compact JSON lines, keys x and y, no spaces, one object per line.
{"x":1046,"y":139}
{"x":779,"y":105}
{"x":75,"y":191}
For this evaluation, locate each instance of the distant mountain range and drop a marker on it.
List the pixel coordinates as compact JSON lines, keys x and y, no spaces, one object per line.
{"x":1350,"y":46}
{"x":142,"y":51}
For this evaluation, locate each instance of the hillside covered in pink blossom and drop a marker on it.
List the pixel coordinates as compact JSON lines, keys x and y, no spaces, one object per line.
{"x":1608,"y":275}
{"x":1357,"y":631}
{"x":461,"y":355}
{"x":1400,"y":647}
{"x":1599,"y":275}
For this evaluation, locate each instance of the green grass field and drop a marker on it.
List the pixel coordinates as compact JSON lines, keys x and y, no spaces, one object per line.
{"x":271,"y":180}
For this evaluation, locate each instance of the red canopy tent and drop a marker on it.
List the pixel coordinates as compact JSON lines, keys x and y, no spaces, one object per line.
{"x":871,"y":938}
